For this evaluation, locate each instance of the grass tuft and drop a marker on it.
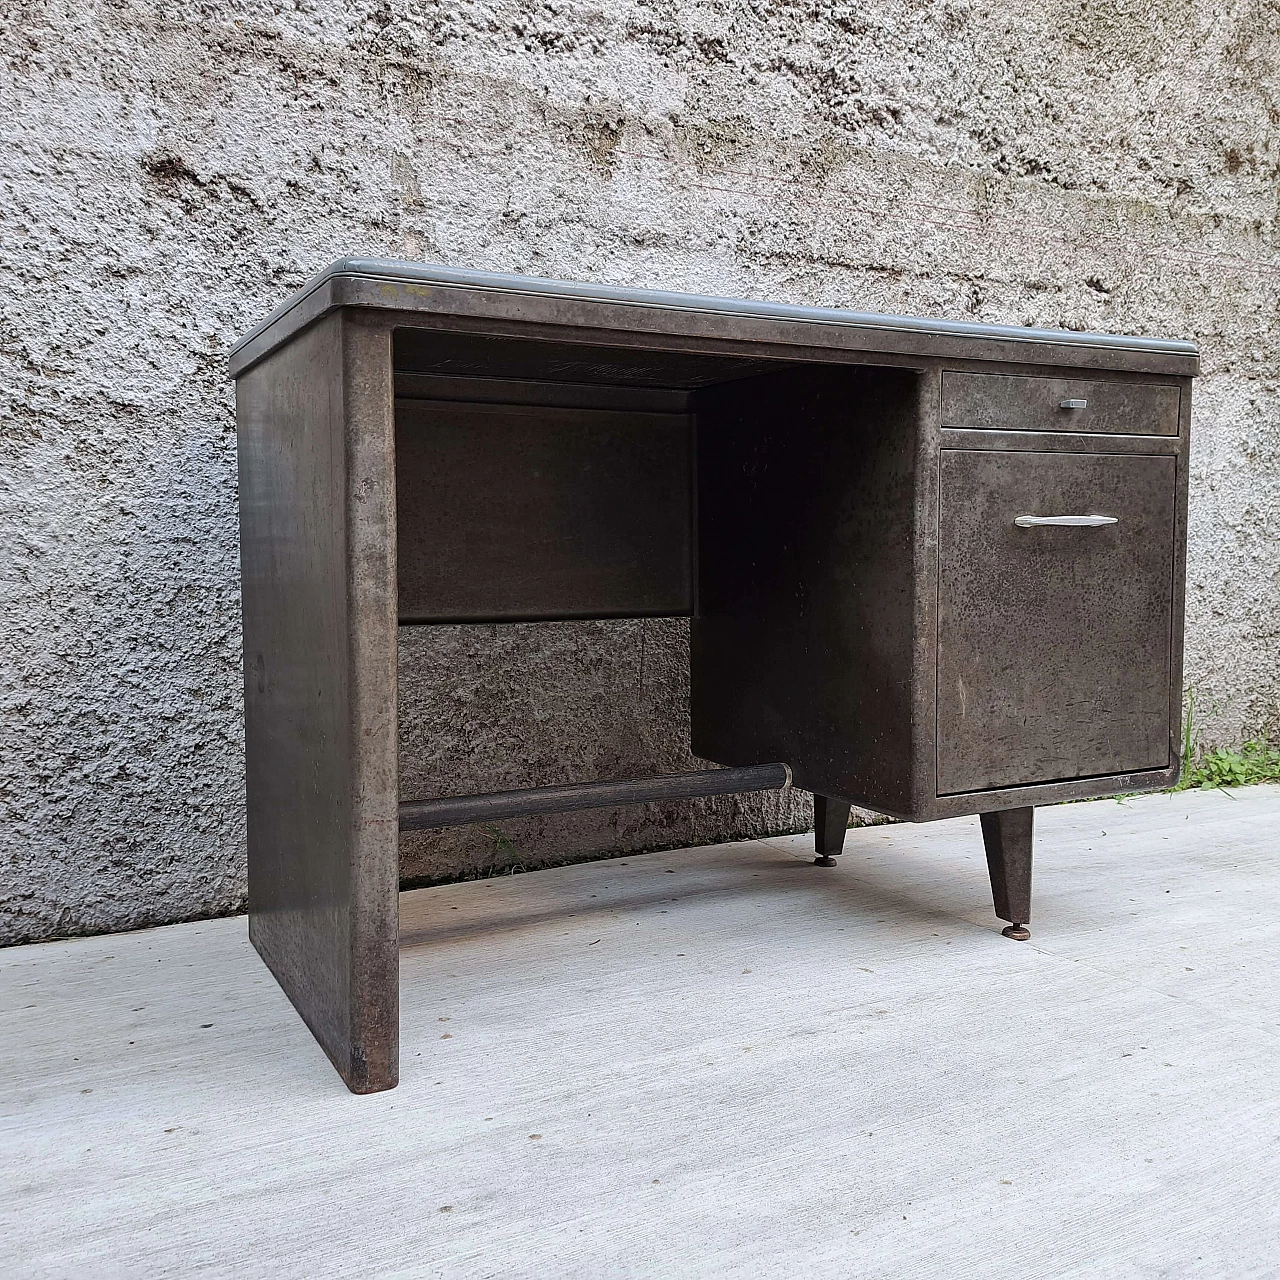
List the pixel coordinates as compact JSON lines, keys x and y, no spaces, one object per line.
{"x":1208,"y":768}
{"x":1223,"y":767}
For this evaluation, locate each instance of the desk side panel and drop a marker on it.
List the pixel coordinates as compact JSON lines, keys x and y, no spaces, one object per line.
{"x":1178,"y":639}
{"x":924,"y":640}
{"x":372,"y":640}
{"x":302,"y":735}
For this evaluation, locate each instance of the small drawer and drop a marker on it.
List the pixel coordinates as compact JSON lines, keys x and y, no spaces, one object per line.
{"x":1012,"y":402}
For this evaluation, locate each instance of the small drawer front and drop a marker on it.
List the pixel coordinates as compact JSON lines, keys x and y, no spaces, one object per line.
{"x":1055,"y":600}
{"x":1013,"y":402}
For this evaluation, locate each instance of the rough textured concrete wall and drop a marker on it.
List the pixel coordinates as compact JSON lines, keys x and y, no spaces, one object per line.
{"x":170,"y":173}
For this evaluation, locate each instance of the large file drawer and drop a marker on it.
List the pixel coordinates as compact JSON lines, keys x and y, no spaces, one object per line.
{"x":1054,"y":642}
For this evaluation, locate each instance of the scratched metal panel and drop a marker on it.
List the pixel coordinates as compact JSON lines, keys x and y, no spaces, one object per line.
{"x":1004,"y":402}
{"x":1054,"y":644}
{"x":317,"y":547}
{"x":529,"y":512}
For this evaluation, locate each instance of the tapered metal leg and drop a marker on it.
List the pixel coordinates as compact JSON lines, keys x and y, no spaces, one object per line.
{"x":830,"y":822}
{"x":1007,"y":836}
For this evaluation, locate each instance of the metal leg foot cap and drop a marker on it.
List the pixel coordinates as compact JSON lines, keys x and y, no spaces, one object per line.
{"x":1018,"y":932}
{"x":826,"y":860}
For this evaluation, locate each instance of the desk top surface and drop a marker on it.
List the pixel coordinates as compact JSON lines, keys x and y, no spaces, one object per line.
{"x":454,"y":295}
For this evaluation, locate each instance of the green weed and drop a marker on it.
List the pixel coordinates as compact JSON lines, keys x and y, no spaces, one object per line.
{"x":508,"y":860}
{"x":1222,"y":767}
{"x":1207,"y":768}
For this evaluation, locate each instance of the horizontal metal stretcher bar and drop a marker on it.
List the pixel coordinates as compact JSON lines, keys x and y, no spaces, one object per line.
{"x":459,"y":811}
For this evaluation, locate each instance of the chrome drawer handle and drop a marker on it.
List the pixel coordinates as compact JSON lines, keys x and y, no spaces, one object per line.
{"x":1087,"y":522}
{"x":1073,"y":404}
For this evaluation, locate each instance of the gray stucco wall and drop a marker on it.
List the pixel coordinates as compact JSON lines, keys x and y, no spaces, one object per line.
{"x":170,"y":172}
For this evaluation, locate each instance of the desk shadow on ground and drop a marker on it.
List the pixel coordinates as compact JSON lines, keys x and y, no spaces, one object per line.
{"x":891,"y":881}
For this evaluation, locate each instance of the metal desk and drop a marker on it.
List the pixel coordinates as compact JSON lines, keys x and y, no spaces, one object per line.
{"x":933,"y":568}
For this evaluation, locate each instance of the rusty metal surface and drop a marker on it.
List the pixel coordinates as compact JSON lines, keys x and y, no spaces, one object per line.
{"x":780,"y":566}
{"x":439,"y":290}
{"x":517,"y":512}
{"x":1005,"y":402}
{"x":317,"y":550}
{"x":1054,"y":644}
{"x":1007,"y":837}
{"x":453,"y":811}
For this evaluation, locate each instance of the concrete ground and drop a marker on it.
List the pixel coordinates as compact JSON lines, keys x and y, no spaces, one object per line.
{"x":713,"y":1062}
